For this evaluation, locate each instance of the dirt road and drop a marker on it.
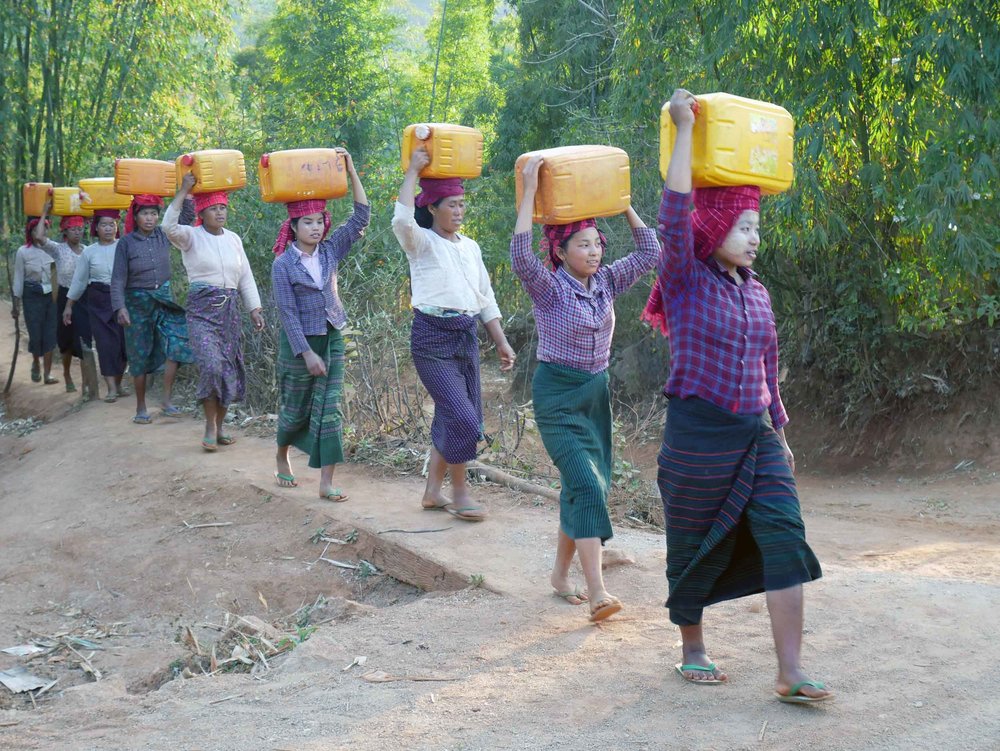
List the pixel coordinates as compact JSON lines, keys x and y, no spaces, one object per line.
{"x":100,"y":541}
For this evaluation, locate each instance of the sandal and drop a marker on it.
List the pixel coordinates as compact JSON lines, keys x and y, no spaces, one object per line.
{"x":465,"y":513}
{"x":171,"y":411}
{"x":605,"y":608}
{"x":142,"y":419}
{"x":795,"y":695}
{"x":335,"y":495}
{"x":285,"y":481}
{"x":49,"y":380}
{"x":573,"y":595}
{"x":70,"y":388}
{"x":209,"y":445}
{"x":226,"y":440}
{"x":713,"y":681}
{"x":111,"y":398}
{"x":36,"y":372}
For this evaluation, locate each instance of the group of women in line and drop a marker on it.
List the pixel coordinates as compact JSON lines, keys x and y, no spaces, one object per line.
{"x":732,"y":513}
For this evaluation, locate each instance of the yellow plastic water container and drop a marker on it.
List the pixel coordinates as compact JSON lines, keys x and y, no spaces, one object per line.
{"x":135,"y":177}
{"x":578,"y":182}
{"x":66,"y":202}
{"x":455,"y":150}
{"x":735,"y":141}
{"x":214,"y":170}
{"x":34,"y":197}
{"x":101,"y":191}
{"x":302,"y":174}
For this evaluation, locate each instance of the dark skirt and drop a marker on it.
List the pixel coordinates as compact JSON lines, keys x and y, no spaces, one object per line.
{"x":573,"y":414}
{"x":158,"y":331}
{"x":446,"y":355}
{"x":309,"y":417}
{"x":216,"y":333}
{"x":109,"y":336}
{"x":734,"y":526}
{"x":39,"y":318}
{"x":71,"y":339}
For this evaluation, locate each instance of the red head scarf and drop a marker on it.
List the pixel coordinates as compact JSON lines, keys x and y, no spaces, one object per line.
{"x":32,"y":223}
{"x":67,"y":222}
{"x":141,"y":201}
{"x":433,"y":189}
{"x":203,"y":201}
{"x":109,"y":213}
{"x":716,"y":211}
{"x":555,"y":235}
{"x":296,"y":210}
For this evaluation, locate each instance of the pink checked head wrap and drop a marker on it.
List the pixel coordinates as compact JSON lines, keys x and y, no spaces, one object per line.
{"x":67,"y":222}
{"x":203,"y":201}
{"x":555,"y":236}
{"x":141,"y":201}
{"x":296,"y":210}
{"x":716,"y":211}
{"x":433,"y":189}
{"x":110,"y":214}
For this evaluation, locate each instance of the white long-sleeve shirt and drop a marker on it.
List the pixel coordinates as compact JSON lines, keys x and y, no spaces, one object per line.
{"x":33,"y":264}
{"x":444,"y":274}
{"x":217,"y":260}
{"x":94,"y":264}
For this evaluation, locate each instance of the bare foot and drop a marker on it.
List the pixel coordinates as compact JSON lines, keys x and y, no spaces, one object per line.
{"x":435,"y":500}
{"x":805,"y":687}
{"x":700,"y":658}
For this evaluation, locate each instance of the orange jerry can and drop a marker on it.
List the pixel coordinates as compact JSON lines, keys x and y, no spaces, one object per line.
{"x":214,"y":170}
{"x":301,"y":174}
{"x":578,"y":182}
{"x":455,"y":150}
{"x":66,"y":202}
{"x":101,"y":191}
{"x":34,"y":197}
{"x":736,"y":141}
{"x":135,"y":177}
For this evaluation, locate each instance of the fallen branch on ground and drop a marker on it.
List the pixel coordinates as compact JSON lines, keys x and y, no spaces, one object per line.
{"x":515,"y":483}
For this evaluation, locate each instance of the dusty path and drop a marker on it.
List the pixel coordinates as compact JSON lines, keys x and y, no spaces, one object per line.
{"x":93,"y":534}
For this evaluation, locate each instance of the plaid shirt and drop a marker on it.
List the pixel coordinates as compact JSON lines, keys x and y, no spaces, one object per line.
{"x":575,"y":324}
{"x":723,"y":343}
{"x":305,"y":308}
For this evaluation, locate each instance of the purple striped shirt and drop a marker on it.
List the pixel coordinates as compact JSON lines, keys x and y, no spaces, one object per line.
{"x":305,"y":308}
{"x":723,"y":343}
{"x":575,"y":324}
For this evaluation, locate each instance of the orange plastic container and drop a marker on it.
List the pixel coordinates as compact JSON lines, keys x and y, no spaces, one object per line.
{"x":101,"y":191}
{"x":300,"y":174}
{"x":736,"y":141}
{"x":66,"y":202}
{"x":455,"y":150}
{"x":578,"y":182}
{"x":34,"y":197}
{"x":134,"y":177}
{"x":214,"y":170}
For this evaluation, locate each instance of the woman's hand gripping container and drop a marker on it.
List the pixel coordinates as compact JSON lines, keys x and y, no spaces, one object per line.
{"x":34,"y":197}
{"x":102,"y":195}
{"x":302,"y":174}
{"x":578,"y":182}
{"x":135,"y":177}
{"x":214,"y":170}
{"x":736,"y":141}
{"x":67,"y":202}
{"x":455,"y":150}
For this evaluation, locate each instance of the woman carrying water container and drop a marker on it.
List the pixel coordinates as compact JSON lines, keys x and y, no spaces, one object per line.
{"x":70,"y":336}
{"x":32,"y":291}
{"x":220,"y":275}
{"x":734,"y":526}
{"x":92,"y":280}
{"x":311,"y":350}
{"x":451,"y":290}
{"x":573,"y":303}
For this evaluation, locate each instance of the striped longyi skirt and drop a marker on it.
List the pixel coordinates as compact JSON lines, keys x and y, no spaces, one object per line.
{"x":734,"y":526}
